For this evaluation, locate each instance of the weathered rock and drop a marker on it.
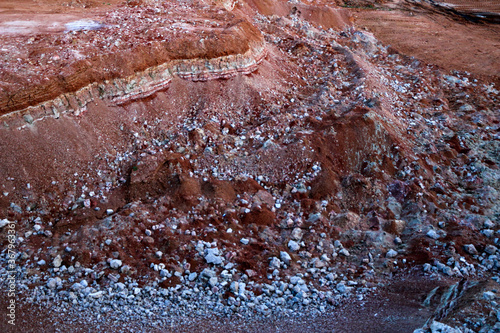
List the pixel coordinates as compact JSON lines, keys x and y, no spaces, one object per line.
{"x":57,"y":262}
{"x":491,"y":249}
{"x":394,"y":208}
{"x":274,"y":263}
{"x":297,"y":234}
{"x":395,"y":227}
{"x":391,"y":253}
{"x":344,"y":252}
{"x":212,"y":256}
{"x":470,"y":249}
{"x":3,"y":223}
{"x":347,"y":221}
{"x":285,"y":257}
{"x":264,"y":197}
{"x":293,"y":245}
{"x":115,"y":263}
{"x":213,"y":281}
{"x":432,"y":234}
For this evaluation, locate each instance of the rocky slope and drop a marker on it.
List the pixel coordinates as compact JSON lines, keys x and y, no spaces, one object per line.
{"x":255,"y":160}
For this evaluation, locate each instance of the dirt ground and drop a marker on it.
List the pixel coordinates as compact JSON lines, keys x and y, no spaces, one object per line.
{"x":448,"y":41}
{"x":158,"y":125}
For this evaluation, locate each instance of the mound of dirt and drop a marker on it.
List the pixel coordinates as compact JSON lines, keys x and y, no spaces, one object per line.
{"x":268,"y":161}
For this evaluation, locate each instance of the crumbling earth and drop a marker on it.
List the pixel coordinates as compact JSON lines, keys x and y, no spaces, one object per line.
{"x":264,"y":165}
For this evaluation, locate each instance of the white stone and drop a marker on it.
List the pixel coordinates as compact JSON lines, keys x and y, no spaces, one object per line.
{"x":344,"y":252}
{"x":115,"y":263}
{"x":3,"y":223}
{"x":274,"y":263}
{"x":212,"y":256}
{"x":391,"y":253}
{"x":57,"y":261}
{"x":297,"y":234}
{"x":285,"y":257}
{"x":293,"y":245}
{"x":52,"y":283}
{"x":97,"y":294}
{"x":432,"y":234}
{"x":213,"y":281}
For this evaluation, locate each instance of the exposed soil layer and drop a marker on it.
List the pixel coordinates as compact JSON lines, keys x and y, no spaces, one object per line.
{"x":284,"y":166}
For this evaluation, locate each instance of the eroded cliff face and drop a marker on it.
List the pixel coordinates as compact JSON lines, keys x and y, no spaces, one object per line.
{"x":219,"y":136}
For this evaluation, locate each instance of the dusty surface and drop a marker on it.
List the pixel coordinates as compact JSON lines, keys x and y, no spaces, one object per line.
{"x":282,"y":165}
{"x":450,"y":41}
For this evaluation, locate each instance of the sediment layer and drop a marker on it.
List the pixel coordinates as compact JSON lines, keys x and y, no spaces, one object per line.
{"x":143,"y":84}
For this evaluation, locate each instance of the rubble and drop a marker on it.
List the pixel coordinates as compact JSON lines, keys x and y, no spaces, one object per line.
{"x":238,"y":164}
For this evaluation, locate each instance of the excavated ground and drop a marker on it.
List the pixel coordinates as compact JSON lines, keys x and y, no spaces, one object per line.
{"x":337,"y":159}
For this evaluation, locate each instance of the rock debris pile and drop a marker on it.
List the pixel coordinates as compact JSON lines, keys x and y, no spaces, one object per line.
{"x":229,"y":162}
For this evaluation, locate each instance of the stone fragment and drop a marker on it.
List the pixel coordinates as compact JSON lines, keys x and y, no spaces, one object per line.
{"x":349,"y":220}
{"x":52,"y":283}
{"x":344,"y":252}
{"x":489,"y":295}
{"x":297,"y":234}
{"x":488,"y":224}
{"x":115,"y":263}
{"x":491,"y":249}
{"x":213,"y":281}
{"x":57,"y":261}
{"x":285,"y":257}
{"x":274,"y":263}
{"x":212,"y":256}
{"x":437,"y":327}
{"x":341,"y":288}
{"x":470,"y":249}
{"x":488,"y":232}
{"x":3,"y":223}
{"x":293,"y":245}
{"x":391,"y":253}
{"x":432,"y":234}
{"x":313,"y":218}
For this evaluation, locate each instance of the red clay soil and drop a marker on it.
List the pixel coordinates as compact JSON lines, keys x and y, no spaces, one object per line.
{"x":248,"y":125}
{"x":451,"y":42}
